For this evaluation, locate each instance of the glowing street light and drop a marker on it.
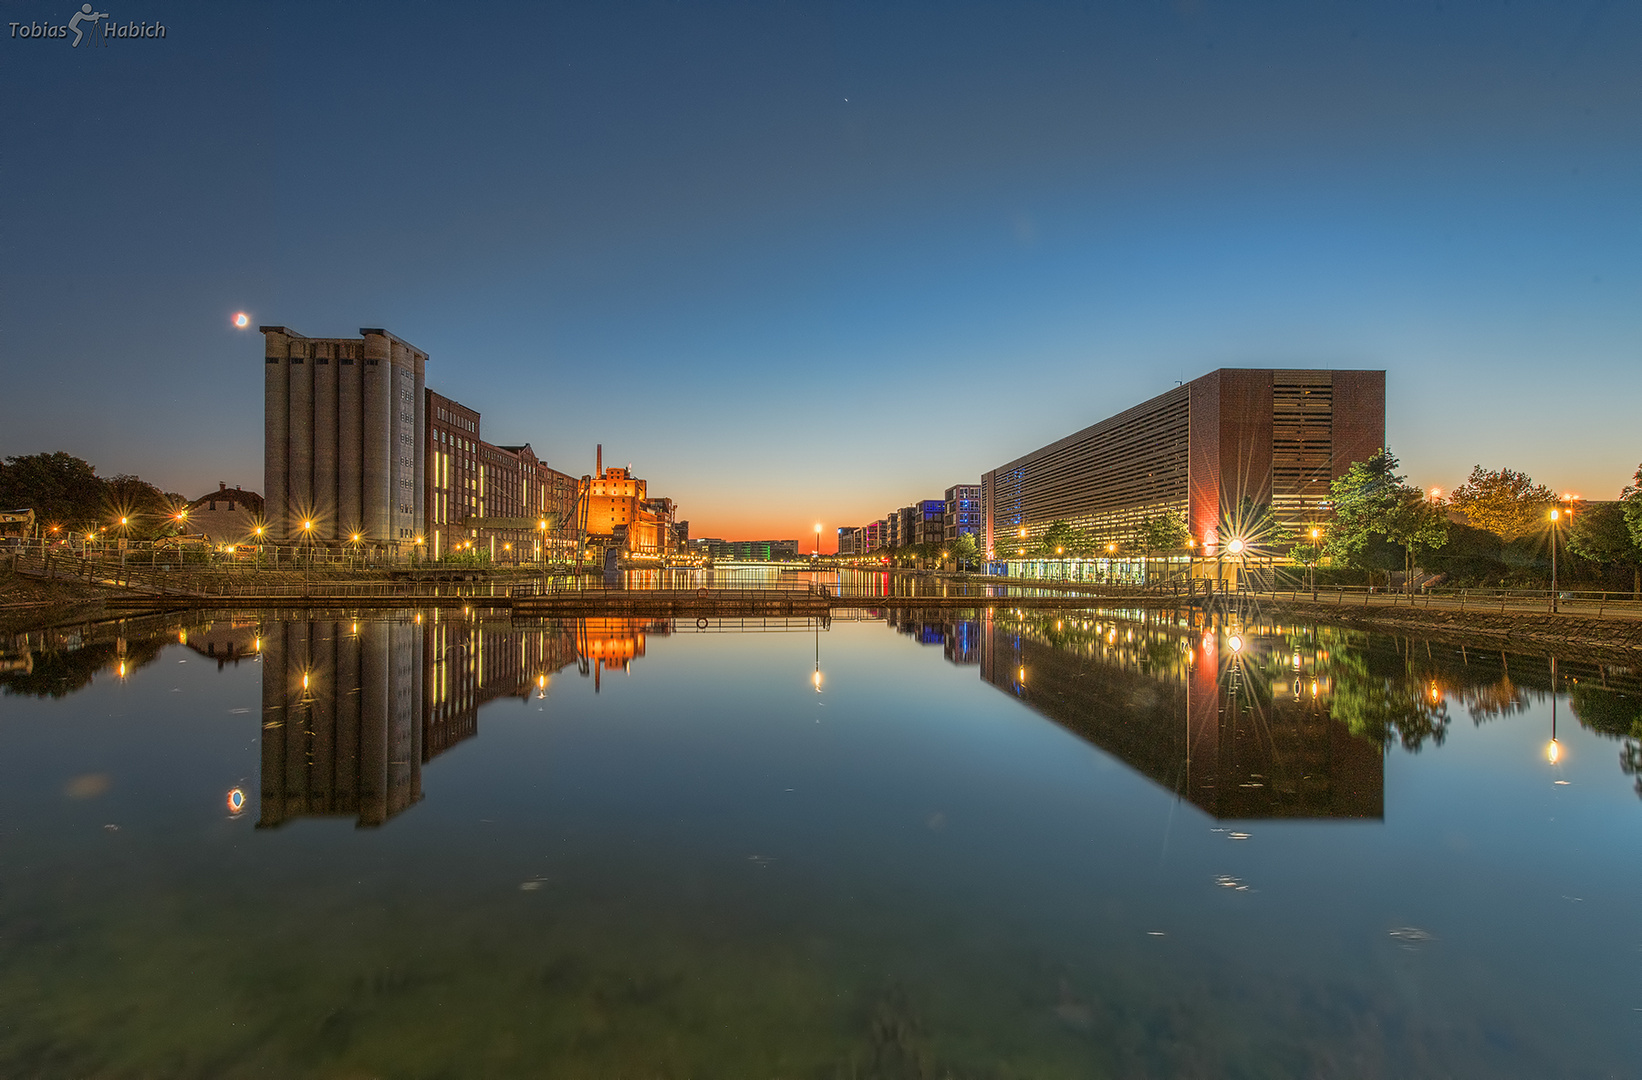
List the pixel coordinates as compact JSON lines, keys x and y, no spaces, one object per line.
{"x":1555,"y":517}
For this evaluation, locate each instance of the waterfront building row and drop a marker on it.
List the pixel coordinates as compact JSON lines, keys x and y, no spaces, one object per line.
{"x":358,"y":450}
{"x":925,"y":522}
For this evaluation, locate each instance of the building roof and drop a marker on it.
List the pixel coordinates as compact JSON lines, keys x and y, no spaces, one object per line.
{"x":251,"y":501}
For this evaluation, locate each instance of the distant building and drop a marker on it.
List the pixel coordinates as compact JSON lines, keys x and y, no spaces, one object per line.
{"x":501,"y":500}
{"x":344,"y":437}
{"x":929,"y":521}
{"x":1264,"y":435}
{"x":619,"y":511}
{"x":747,"y":550}
{"x":877,"y":535}
{"x":963,"y":513}
{"x":846,"y":539}
{"x":226,"y":515}
{"x":357,"y":450}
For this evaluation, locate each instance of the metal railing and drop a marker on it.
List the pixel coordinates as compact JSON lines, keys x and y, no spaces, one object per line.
{"x":1597,"y":603}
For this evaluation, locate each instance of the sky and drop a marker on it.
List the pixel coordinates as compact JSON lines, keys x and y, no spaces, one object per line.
{"x":803,"y":263}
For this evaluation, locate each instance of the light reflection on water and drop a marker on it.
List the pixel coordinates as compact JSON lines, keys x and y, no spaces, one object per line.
{"x":983,"y":844}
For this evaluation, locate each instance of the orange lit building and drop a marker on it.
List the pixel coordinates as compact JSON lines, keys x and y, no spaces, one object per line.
{"x":621,"y":513}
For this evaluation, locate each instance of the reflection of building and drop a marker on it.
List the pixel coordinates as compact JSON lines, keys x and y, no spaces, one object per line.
{"x":1189,"y":713}
{"x":613,"y":644}
{"x":342,"y":708}
{"x":353,"y":710}
{"x":225,"y":641}
{"x":469,"y":662}
{"x":1199,"y":450}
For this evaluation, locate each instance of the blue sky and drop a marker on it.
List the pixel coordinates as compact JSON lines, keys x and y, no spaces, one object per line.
{"x":804,"y":263}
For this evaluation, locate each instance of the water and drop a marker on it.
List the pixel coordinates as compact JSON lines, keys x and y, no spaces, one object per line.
{"x":968,"y":845}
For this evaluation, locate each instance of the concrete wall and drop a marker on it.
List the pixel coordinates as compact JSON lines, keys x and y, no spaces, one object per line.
{"x":276,"y":407}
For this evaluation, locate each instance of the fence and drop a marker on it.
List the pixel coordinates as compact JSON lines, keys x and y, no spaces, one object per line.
{"x":1598,"y":603}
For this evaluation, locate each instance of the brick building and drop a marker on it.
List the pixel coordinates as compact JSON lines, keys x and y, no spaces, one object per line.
{"x":1265,"y":435}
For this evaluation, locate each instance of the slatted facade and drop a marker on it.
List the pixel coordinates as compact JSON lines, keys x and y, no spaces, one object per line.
{"x":1266,"y":435}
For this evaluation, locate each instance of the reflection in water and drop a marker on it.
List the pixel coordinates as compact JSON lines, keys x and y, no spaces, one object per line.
{"x":352,"y":710}
{"x":1263,"y":720}
{"x":731,"y":875}
{"x":1213,"y":715}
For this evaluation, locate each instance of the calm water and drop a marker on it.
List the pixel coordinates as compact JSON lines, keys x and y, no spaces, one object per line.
{"x":1051,"y":845}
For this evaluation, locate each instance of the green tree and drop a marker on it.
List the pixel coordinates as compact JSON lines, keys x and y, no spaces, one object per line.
{"x":1062,"y":540}
{"x":148,"y":511}
{"x":1161,"y":534}
{"x":1631,"y":498}
{"x":964,"y":550}
{"x":1416,"y":522}
{"x":1602,"y":535}
{"x":1373,"y":505}
{"x":60,"y":488}
{"x":1505,"y":502}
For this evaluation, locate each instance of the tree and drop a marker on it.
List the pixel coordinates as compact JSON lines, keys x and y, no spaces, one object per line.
{"x":1416,"y":522}
{"x":1602,"y":535}
{"x":1373,"y":504}
{"x":1062,"y":540}
{"x":964,"y":550}
{"x":149,"y":511}
{"x":1161,"y":534}
{"x":1631,"y":498}
{"x":60,"y":488}
{"x":1506,"y":503}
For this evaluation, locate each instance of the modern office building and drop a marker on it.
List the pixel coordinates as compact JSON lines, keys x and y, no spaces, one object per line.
{"x":963,"y":512}
{"x":929,"y":521}
{"x":344,"y":438}
{"x":1263,"y":435}
{"x":846,"y":539}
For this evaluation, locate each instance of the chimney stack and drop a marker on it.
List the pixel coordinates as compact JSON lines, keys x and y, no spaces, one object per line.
{"x":598,"y":462}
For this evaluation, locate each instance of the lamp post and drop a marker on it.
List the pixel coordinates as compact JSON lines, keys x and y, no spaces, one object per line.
{"x":1555,"y":516}
{"x":1315,"y":555}
{"x":818,"y":540}
{"x":1237,"y":547}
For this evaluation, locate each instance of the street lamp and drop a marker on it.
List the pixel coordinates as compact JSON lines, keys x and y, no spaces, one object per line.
{"x":1316,"y":554}
{"x":1555,"y":516}
{"x":817,"y":540}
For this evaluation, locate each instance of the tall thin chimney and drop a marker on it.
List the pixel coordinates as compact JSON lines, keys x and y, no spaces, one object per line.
{"x":598,"y":462}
